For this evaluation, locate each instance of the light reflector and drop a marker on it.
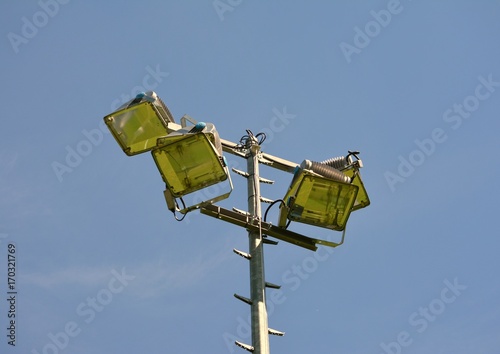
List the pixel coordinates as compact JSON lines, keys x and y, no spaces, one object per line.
{"x":138,"y":124}
{"x":189,"y":163}
{"x":318,"y":201}
{"x":362,"y":199}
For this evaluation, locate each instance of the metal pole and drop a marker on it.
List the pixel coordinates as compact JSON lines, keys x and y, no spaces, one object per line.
{"x":260,"y":336}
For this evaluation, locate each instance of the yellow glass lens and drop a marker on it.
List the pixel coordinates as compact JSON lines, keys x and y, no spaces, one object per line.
{"x":362,"y":199}
{"x":189,"y":164}
{"x":137,"y":128}
{"x":318,"y":201}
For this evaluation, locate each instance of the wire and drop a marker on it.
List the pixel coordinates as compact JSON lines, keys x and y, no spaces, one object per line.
{"x":177,"y":208}
{"x":242,"y":145}
{"x":352,"y":153}
{"x":262,"y":137}
{"x":270,"y":205}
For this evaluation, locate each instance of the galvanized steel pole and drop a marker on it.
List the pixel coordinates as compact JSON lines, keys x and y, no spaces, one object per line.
{"x":260,"y":336}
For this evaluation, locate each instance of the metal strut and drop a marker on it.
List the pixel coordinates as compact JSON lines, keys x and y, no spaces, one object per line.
{"x":245,"y":346}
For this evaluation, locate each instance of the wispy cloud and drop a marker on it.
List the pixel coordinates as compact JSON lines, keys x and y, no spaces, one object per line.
{"x":152,"y":279}
{"x":155,"y":279}
{"x":83,"y":276}
{"x":8,"y":162}
{"x":18,"y":199}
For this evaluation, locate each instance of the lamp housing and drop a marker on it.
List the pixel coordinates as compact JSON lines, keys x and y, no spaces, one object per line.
{"x":137,"y":124}
{"x":319,"y":201}
{"x":324,"y":196}
{"x":190,"y":159}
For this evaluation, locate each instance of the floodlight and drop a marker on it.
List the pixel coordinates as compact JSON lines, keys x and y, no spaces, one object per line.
{"x":190,"y":159}
{"x":324,"y":196}
{"x":137,"y":124}
{"x":349,"y":165}
{"x":362,"y":199}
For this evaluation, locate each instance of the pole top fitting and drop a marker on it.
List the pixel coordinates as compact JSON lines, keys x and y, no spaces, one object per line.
{"x":251,"y":139}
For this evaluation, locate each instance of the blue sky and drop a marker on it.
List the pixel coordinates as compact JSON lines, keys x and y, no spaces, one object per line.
{"x":102,"y":266}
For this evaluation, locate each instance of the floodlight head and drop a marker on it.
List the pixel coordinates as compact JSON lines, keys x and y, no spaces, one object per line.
{"x":322,"y":195}
{"x":190,"y":159}
{"x":137,"y":124}
{"x":319,"y":201}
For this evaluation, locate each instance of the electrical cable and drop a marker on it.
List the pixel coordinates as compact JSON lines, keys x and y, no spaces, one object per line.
{"x":270,"y":205}
{"x":261,"y":137}
{"x":177,"y":208}
{"x":352,"y":153}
